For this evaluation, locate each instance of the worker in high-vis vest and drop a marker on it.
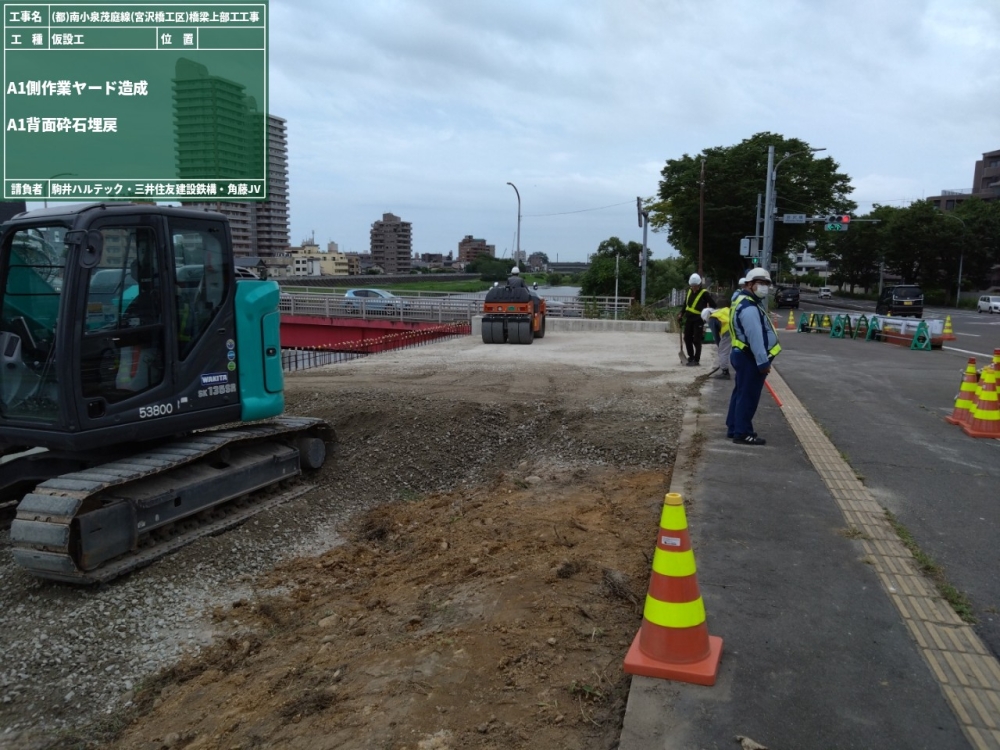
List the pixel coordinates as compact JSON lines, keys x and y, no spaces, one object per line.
{"x":755,"y":345}
{"x":696,"y":300}
{"x":718,"y":324}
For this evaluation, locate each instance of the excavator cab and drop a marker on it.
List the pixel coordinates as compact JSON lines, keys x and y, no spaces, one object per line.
{"x":125,"y":337}
{"x":126,"y":323}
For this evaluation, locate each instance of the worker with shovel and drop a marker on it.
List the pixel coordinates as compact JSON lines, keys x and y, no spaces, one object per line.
{"x":718,"y":324}
{"x":697,"y":299}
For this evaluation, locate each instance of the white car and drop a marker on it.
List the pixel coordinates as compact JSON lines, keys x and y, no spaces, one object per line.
{"x":825,"y":293}
{"x":988,"y":305}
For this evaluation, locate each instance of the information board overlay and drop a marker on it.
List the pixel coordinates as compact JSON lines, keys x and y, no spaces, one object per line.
{"x":133,"y":101}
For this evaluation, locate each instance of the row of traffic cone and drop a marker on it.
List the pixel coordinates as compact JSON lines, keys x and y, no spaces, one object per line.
{"x":977,"y":408}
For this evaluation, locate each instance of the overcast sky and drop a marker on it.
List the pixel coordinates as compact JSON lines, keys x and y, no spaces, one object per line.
{"x":427,"y":108}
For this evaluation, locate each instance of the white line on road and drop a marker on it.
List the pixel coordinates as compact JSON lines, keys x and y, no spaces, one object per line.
{"x":966,"y":351}
{"x":977,"y":335}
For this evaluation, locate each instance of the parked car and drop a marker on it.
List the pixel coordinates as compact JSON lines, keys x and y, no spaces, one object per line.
{"x":903,"y":299}
{"x":988,"y":304}
{"x":373,"y":301}
{"x":786,"y":297}
{"x":825,"y":292}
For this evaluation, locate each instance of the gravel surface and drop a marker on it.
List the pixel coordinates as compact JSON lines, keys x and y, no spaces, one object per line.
{"x":408,"y":423}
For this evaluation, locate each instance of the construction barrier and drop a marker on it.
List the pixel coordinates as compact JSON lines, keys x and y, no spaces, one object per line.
{"x":673,"y":642}
{"x":914,"y":333}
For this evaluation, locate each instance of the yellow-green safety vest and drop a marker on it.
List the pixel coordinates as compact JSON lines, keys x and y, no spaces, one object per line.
{"x":735,"y":328}
{"x":692,"y":307}
{"x":722,"y":315}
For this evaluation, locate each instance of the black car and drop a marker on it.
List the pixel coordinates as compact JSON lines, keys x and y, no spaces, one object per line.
{"x":787,"y":297}
{"x":902,"y":300}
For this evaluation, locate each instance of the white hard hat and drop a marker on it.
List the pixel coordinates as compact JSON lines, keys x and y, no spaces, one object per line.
{"x":515,"y":270}
{"x":743,"y":280}
{"x":758,"y":274}
{"x":707,"y":313}
{"x":695,"y":280}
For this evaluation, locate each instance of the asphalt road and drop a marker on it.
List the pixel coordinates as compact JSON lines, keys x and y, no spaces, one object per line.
{"x":883,"y":406}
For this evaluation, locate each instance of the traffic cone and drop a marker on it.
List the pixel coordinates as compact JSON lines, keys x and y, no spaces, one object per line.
{"x":965,"y":401}
{"x":673,"y":642}
{"x":985,"y":421}
{"x":826,"y":323}
{"x":949,"y":333}
{"x":996,"y":360}
{"x":791,"y":321}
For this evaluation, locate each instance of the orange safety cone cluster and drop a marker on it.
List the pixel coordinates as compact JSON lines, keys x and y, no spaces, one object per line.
{"x":965,"y":401}
{"x":984,"y":419}
{"x":673,"y":642}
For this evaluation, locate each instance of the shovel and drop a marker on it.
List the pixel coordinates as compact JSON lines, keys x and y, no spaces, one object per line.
{"x":680,"y":353}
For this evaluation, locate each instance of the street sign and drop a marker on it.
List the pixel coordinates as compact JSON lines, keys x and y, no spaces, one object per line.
{"x":745,"y":246}
{"x":836,"y":227}
{"x":794,"y":218}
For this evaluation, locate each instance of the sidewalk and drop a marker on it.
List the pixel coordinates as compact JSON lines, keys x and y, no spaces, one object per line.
{"x":815,"y":653}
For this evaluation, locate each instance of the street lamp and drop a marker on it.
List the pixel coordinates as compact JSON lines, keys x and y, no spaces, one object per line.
{"x":769,"y":200}
{"x":517,"y":254}
{"x":961,"y":258}
{"x":45,"y":201}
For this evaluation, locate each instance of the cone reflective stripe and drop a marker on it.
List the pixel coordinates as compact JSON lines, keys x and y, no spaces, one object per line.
{"x":673,"y":642}
{"x":985,"y":422}
{"x":965,"y":401}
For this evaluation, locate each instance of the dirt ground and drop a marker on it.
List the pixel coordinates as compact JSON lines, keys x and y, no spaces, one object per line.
{"x":486,"y":597}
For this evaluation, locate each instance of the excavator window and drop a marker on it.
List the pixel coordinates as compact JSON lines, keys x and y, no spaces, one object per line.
{"x":35,"y":267}
{"x":201,"y":281}
{"x":122,"y":352}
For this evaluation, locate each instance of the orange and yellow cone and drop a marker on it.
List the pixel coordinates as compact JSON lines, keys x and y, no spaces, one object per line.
{"x":673,"y":642}
{"x":965,"y":401}
{"x":985,"y":422}
{"x":791,"y":322}
{"x":949,"y":333}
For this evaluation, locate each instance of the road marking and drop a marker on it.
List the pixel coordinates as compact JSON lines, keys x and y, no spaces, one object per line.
{"x":966,"y":351}
{"x":950,"y":647}
{"x":977,"y":335}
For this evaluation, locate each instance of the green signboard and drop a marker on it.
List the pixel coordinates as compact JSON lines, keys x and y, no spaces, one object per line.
{"x":120,"y":100}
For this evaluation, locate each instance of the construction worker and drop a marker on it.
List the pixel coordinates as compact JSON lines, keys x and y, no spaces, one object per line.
{"x":696,"y":300}
{"x":755,"y":345}
{"x":740,"y":288}
{"x":718,"y":324}
{"x":515,"y":280}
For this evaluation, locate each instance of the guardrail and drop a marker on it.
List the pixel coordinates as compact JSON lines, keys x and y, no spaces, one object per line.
{"x":438,"y":309}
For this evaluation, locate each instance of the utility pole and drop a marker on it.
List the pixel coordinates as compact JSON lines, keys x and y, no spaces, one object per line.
{"x":765,"y":253}
{"x":701,"y":223}
{"x":617,"y":256}
{"x":644,"y":223}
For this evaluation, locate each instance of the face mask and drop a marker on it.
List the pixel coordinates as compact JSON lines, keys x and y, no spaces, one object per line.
{"x":761,"y":290}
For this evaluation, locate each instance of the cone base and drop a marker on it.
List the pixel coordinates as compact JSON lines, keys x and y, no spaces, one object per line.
{"x":976,"y":432}
{"x":954,"y":420}
{"x":697,"y":673}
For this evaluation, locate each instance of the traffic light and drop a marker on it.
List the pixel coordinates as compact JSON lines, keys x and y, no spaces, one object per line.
{"x":755,"y":261}
{"x":837,"y":222}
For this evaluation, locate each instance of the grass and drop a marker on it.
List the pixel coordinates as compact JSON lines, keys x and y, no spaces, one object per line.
{"x":958,"y":600}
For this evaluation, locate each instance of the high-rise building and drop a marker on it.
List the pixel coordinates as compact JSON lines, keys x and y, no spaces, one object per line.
{"x":392,"y":244}
{"x":221,"y":135}
{"x":985,"y":184}
{"x":469,"y":248}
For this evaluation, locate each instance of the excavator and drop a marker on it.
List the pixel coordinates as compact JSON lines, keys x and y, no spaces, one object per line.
{"x":141,"y":388}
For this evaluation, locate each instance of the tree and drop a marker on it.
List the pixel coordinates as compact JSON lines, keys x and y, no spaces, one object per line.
{"x":734,"y":175}
{"x":599,"y":278}
{"x":489,"y":268}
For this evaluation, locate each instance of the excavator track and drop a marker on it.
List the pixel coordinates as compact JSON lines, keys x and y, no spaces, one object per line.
{"x":93,"y":525}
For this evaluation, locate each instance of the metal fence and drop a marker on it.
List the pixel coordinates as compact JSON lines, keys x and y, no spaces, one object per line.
{"x":439,"y":307}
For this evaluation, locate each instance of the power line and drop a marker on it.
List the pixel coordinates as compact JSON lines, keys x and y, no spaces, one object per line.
{"x":580,"y":211}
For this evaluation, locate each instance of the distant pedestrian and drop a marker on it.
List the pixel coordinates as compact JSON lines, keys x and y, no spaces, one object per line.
{"x":696,"y":300}
{"x":755,"y":345}
{"x":718,"y":324}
